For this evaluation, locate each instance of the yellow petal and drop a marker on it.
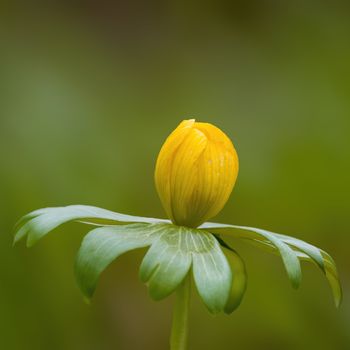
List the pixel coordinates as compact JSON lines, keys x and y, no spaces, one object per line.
{"x":165,"y":160}
{"x":184,"y":173}
{"x":195,"y":172}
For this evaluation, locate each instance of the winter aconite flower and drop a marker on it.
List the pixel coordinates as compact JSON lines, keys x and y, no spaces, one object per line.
{"x":195,"y":173}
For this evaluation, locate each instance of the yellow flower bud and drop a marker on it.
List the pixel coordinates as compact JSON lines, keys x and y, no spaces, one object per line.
{"x":195,"y":172}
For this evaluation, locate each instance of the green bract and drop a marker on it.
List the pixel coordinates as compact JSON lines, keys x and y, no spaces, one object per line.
{"x":218,"y":271}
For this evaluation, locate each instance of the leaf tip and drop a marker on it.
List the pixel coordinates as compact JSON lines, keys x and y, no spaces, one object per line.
{"x":14,"y":241}
{"x":296,"y":283}
{"x":87,"y":300}
{"x":338,"y":300}
{"x":30,"y":242}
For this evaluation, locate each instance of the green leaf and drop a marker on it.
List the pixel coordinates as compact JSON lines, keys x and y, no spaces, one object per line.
{"x":333,"y":278}
{"x":289,"y":257}
{"x":212,"y":273}
{"x":304,"y":251}
{"x":313,"y":252}
{"x":166,"y":263}
{"x":169,"y":259}
{"x":29,"y":216}
{"x":239,"y":280}
{"x":37,"y":224}
{"x":330,"y":271}
{"x":103,"y":245}
{"x":173,"y":251}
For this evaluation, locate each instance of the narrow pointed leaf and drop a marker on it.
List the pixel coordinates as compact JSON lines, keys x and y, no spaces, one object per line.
{"x":239,"y":280}
{"x":37,"y":224}
{"x":30,"y":216}
{"x":169,"y":259}
{"x":309,"y":253}
{"x":333,"y":278}
{"x":304,"y":251}
{"x":310,"y":250}
{"x":103,"y":245}
{"x":331,"y":273}
{"x":166,"y":263}
{"x":290,"y":259}
{"x":211,"y":271}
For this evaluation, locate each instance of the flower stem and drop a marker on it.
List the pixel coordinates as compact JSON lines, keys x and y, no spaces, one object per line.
{"x":179,"y":330}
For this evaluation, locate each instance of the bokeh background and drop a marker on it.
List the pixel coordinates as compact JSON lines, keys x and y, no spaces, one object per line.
{"x":88,"y":93}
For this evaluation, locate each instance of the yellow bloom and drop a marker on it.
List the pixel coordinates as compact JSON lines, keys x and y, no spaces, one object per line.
{"x":195,"y":172}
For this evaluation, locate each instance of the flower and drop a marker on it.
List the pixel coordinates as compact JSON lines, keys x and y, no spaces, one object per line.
{"x":195,"y":172}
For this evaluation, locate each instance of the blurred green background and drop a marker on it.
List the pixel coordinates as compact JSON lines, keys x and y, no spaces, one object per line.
{"x":88,"y":93}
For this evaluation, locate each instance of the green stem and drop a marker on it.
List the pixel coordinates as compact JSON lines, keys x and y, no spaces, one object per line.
{"x":179,"y":330}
